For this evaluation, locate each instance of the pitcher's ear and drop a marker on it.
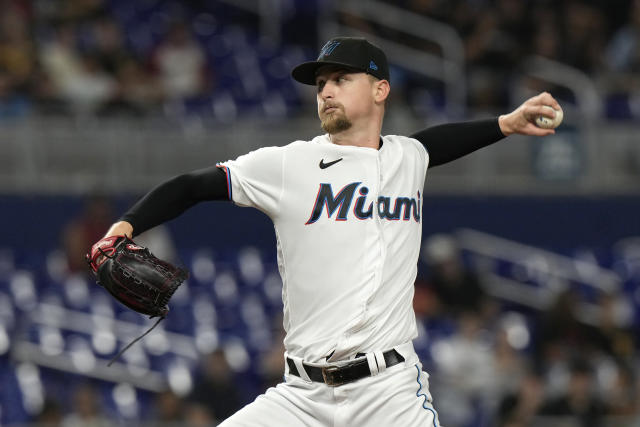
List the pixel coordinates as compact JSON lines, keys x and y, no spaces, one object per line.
{"x":381,"y":90}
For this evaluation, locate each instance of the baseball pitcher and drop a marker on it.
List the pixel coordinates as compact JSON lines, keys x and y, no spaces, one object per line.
{"x":347,"y":210}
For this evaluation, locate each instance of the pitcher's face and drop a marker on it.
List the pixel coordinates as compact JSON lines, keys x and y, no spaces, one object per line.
{"x":344,"y":97}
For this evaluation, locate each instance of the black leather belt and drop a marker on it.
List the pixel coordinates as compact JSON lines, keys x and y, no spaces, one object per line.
{"x":338,"y":375}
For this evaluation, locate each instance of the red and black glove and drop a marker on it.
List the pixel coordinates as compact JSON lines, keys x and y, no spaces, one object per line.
{"x":134,"y":276}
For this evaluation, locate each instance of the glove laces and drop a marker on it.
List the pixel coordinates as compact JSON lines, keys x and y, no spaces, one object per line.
{"x":114,"y":358}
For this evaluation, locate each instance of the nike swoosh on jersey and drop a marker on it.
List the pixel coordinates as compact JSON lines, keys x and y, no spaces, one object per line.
{"x":324,"y":165}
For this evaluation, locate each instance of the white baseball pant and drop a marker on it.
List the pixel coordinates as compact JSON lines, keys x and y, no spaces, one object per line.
{"x":395,"y":396}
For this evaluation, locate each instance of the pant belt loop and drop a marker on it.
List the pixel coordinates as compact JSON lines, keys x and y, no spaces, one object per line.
{"x":300,"y":367}
{"x":286,"y":365}
{"x":382,"y":364}
{"x":373,"y":366}
{"x":407,"y":351}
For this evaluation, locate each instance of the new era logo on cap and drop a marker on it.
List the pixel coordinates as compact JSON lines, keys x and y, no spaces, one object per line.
{"x":352,"y":53}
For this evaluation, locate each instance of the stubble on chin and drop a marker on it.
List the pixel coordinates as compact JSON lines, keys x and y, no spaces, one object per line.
{"x":335,"y":123}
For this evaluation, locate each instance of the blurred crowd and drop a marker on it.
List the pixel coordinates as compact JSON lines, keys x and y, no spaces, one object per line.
{"x":74,"y":56}
{"x":71,"y":56}
{"x":523,"y":365}
{"x":600,"y":38}
{"x":491,"y":362}
{"x":591,"y":35}
{"x":214,"y":397}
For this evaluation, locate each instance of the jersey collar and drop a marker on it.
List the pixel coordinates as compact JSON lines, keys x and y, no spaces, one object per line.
{"x":325,"y":139}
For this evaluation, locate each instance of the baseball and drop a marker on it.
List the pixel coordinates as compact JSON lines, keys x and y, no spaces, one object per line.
{"x":547,"y":123}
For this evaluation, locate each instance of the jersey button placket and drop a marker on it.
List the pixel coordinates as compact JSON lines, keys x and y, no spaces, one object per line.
{"x":378,"y":221}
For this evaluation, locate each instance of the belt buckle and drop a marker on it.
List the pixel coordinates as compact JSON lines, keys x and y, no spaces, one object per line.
{"x":332,"y":376}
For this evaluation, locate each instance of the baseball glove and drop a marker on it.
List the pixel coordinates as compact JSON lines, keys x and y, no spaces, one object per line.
{"x":134,"y":276}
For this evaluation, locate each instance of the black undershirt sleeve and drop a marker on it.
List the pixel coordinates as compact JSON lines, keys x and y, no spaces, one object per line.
{"x":450,"y":141}
{"x":168,"y":200}
{"x":171,"y":198}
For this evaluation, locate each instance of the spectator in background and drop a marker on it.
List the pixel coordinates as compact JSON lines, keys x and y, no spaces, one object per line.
{"x":139,"y":92}
{"x":108,"y":45}
{"x":89,"y":225}
{"x":509,"y":364}
{"x":77,"y":10}
{"x":92,"y":88}
{"x":465,"y":372}
{"x":76,"y":79}
{"x":519,"y":408}
{"x":86,"y":411}
{"x":215,"y":387}
{"x":485,"y":51}
{"x":272,"y":362}
{"x":169,"y":409}
{"x":492,"y":49}
{"x":197,"y":415}
{"x":59,"y":57}
{"x":463,"y":17}
{"x":579,"y":401}
{"x":515,"y":21}
{"x":546,"y":41}
{"x":136,"y":91}
{"x":621,"y":397}
{"x":80,"y":234}
{"x":17,"y":60}
{"x":456,"y":288}
{"x":623,"y":50}
{"x":17,"y":51}
{"x":583,"y":36}
{"x":561,"y":334}
{"x":612,"y":335}
{"x":50,"y":415}
{"x":45,"y":94}
{"x":181,"y":64}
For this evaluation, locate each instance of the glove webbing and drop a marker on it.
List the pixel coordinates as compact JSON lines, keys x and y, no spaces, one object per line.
{"x":113,"y":359}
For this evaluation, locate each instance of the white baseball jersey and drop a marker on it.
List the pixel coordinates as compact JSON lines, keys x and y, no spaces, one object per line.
{"x":348,"y":224}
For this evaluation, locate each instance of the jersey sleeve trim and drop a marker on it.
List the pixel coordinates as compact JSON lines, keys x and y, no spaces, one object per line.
{"x":226,"y":171}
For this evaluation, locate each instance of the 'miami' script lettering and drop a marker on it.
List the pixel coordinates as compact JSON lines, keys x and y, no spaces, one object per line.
{"x":339,"y":205}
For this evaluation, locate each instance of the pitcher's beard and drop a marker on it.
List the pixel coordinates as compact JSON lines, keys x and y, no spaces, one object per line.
{"x":335,"y":123}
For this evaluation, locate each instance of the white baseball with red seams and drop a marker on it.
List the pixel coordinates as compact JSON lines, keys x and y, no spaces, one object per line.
{"x":348,"y":223}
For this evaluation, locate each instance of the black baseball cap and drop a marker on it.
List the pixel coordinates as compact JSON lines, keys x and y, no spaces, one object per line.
{"x":354,"y":53}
